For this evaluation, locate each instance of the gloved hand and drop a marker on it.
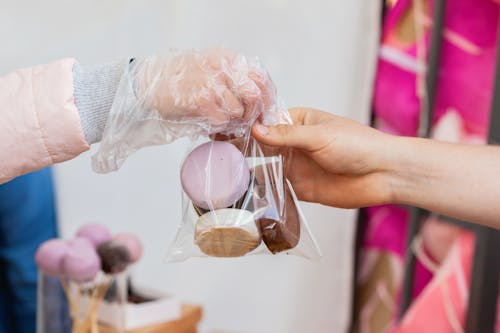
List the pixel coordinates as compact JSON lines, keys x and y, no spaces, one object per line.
{"x":211,"y":87}
{"x":186,"y":93}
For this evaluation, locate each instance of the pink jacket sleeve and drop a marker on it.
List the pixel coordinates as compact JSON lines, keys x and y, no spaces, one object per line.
{"x":39,"y":122}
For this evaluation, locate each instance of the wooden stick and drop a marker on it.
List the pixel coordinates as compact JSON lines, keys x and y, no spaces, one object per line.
{"x":93,"y":309}
{"x":98,"y":294}
{"x":77,"y":307}
{"x":67,"y":293}
{"x":73,"y":305}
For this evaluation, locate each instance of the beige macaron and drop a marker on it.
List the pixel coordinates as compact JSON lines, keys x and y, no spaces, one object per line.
{"x":227,"y":232}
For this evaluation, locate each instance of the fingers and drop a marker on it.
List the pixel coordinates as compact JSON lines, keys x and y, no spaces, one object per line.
{"x":250,"y":95}
{"x":307,"y":131}
{"x":219,"y":58}
{"x":267,"y":90}
{"x":220,"y":85}
{"x":308,"y":138}
{"x":253,"y":92}
{"x":207,"y":107}
{"x":251,"y":85}
{"x":230,"y":104}
{"x":309,"y":116}
{"x":240,"y":95}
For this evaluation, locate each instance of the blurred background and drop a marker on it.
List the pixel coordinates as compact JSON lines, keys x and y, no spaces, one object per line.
{"x":319,"y":53}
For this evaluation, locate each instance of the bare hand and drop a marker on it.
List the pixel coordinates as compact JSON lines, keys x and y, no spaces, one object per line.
{"x":335,"y":161}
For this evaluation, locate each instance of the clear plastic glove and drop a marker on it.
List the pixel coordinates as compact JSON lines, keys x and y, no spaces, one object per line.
{"x":186,"y":93}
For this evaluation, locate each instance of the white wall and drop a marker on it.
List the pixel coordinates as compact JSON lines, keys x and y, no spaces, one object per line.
{"x":319,"y":54}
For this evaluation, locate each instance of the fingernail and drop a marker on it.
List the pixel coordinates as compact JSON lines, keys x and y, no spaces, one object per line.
{"x":261,"y":129}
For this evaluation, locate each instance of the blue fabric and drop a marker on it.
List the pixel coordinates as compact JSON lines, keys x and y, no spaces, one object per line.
{"x":27,"y":218}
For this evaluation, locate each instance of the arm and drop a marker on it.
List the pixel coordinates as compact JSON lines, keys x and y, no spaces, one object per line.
{"x":341,"y":163}
{"x":461,"y":181}
{"x":39,"y":121}
{"x":52,"y":113}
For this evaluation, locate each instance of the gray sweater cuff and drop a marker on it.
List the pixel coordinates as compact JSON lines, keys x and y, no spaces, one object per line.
{"x":94,"y":90}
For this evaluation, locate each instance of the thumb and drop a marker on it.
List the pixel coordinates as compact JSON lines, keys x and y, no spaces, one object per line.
{"x":296,"y":136}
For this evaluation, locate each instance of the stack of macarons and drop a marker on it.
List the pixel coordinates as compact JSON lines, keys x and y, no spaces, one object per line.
{"x":216,"y":177}
{"x":94,"y":249}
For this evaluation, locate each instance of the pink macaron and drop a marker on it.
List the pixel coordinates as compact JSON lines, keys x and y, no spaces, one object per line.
{"x":215,"y":175}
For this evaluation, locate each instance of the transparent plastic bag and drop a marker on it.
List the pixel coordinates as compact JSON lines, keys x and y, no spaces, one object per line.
{"x":202,"y":94}
{"x":237,"y":201}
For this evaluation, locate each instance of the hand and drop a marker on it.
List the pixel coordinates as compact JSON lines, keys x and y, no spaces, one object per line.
{"x":211,"y":88}
{"x":335,"y":161}
{"x":184,"y":94}
{"x":338,"y":162}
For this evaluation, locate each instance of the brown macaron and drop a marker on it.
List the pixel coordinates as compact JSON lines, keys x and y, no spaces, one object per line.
{"x":280,"y":230}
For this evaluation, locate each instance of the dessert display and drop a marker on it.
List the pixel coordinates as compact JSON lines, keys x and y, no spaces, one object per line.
{"x":86,"y":267}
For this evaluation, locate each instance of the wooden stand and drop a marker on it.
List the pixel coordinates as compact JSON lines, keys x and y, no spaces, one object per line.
{"x":187,"y":323}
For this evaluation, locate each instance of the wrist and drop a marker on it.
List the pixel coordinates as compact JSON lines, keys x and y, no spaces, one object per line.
{"x":94,"y":90}
{"x":404,"y":169}
{"x":379,"y":166}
